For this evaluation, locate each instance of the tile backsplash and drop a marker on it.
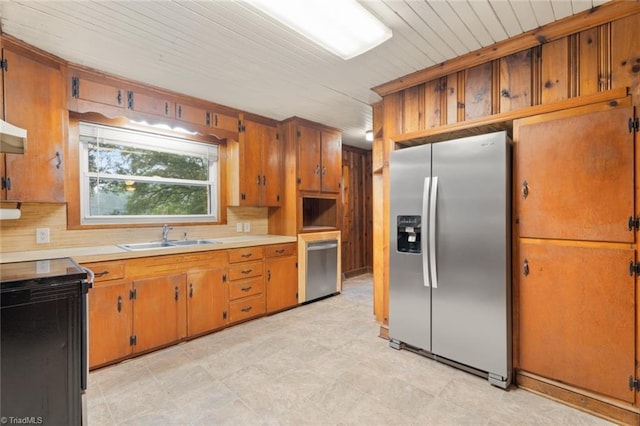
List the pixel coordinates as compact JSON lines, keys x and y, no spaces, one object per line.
{"x":20,"y":234}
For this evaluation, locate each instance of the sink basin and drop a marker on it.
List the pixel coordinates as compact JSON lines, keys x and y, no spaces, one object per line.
{"x":165,"y":244}
{"x":194,"y":242}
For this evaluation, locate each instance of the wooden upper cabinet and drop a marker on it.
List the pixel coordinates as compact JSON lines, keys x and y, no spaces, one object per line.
{"x":577,"y":316}
{"x":224,"y":122}
{"x":575,"y":175}
{"x":83,"y":89}
{"x":150,"y":104}
{"x":34,"y":100}
{"x":254,"y":165}
{"x":319,"y":159}
{"x":193,"y":114}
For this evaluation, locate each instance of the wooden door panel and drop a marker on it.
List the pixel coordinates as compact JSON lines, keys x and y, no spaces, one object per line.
{"x":151,"y":105}
{"x":159,"y":311}
{"x":272,"y":167}
{"x":251,"y":162}
{"x":34,"y":100}
{"x":205,"y":305}
{"x":225,"y":122}
{"x":577,"y":316}
{"x":282,"y":283}
{"x":192,"y":114}
{"x":331,"y":169}
{"x":308,"y":159}
{"x":101,"y":93}
{"x":579,"y":174}
{"x":109,"y":323}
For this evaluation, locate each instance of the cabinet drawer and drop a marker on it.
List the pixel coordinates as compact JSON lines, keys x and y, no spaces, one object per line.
{"x":288,"y":249}
{"x":244,"y":254}
{"x":246,"y":288}
{"x":247,"y":308}
{"x":245,"y":270}
{"x":106,"y":271}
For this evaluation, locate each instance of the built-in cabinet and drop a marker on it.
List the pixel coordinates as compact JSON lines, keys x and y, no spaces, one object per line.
{"x":138,"y":305}
{"x":33,"y":100}
{"x":254,"y":165}
{"x":576,"y":226}
{"x":281,"y":265}
{"x":319,"y":159}
{"x":92,"y":92}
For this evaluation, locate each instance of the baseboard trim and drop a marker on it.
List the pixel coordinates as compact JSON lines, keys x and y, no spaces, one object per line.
{"x":606,"y":408}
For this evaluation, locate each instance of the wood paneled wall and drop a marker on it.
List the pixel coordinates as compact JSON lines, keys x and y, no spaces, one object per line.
{"x":357,"y":218}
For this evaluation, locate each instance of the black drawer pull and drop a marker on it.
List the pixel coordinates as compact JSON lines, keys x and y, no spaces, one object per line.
{"x":119,"y":303}
{"x":280,"y":251}
{"x":245,"y":255}
{"x":246,"y":309}
{"x":101,"y":274}
{"x":246,"y":271}
{"x":246,"y":288}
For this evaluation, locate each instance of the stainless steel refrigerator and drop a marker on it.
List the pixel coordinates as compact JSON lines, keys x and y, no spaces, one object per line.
{"x":449,"y":277}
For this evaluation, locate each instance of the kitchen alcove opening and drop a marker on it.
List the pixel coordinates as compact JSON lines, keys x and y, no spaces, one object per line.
{"x":319,"y":213}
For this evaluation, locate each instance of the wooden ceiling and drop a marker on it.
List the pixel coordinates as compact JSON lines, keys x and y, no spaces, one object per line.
{"x":229,"y":53}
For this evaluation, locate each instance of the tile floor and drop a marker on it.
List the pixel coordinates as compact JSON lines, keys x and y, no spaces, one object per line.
{"x":319,"y":364}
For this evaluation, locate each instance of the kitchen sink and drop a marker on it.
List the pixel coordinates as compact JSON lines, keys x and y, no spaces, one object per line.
{"x":166,"y":244}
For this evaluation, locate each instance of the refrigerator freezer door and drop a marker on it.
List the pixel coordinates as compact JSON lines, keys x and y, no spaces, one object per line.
{"x":471,"y":305}
{"x":409,"y":298}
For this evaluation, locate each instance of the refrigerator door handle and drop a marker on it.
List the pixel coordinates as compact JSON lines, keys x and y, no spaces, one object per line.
{"x":432,"y":232}
{"x":423,"y":241}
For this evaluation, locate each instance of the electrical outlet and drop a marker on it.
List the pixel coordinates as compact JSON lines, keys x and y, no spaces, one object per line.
{"x":247,"y":227}
{"x":238,"y":227}
{"x":42,"y":235}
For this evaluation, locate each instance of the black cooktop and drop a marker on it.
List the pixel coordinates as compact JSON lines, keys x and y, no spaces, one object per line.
{"x":41,"y":271}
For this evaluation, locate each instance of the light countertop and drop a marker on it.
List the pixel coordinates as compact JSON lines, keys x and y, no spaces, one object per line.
{"x":113,"y":252}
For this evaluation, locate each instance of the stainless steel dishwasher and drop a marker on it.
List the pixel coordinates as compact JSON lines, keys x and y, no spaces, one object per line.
{"x":322,"y":269}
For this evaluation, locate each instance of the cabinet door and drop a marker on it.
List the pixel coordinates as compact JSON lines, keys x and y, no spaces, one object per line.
{"x":159,"y":311}
{"x":331,"y":161}
{"x":575,"y":176}
{"x":282,"y":283}
{"x":97,"y":93}
{"x":192,"y":114}
{"x":272,"y":167}
{"x":150,"y":104}
{"x":577,"y":316}
{"x":251,"y":177}
{"x":309,"y":166}
{"x":206,"y":301}
{"x":109,"y":322}
{"x":34,"y":100}
{"x":224,"y":122}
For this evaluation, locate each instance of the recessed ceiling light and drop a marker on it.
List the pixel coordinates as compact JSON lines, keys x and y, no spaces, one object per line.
{"x":343,"y":27}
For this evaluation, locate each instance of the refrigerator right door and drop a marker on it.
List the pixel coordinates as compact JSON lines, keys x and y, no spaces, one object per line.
{"x":471,"y":305}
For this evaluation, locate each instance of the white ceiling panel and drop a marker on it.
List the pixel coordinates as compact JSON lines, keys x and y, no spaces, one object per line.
{"x":229,"y":53}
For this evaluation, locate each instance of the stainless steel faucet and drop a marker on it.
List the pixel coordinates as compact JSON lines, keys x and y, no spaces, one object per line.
{"x":165,"y":232}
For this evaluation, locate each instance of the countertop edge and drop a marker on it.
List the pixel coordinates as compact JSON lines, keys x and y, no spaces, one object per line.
{"x":113,"y":252}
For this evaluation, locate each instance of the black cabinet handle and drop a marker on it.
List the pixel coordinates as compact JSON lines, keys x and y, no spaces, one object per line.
{"x":280,"y":251}
{"x":100,"y":274}
{"x":269,"y":275}
{"x":190,"y":290}
{"x":525,"y":189}
{"x":246,"y":271}
{"x":246,"y":309}
{"x":177,"y":293}
{"x":119,"y":303}
{"x":245,"y":289}
{"x":525,"y":268}
{"x":245,"y":255}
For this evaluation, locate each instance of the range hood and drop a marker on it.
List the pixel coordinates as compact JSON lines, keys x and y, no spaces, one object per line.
{"x":13,"y":139}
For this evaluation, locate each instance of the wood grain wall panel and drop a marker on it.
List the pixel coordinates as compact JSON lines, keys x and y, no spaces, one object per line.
{"x":356,"y":203}
{"x":604,"y":57}
{"x":588,"y":54}
{"x":555,"y":71}
{"x":625,"y":53}
{"x":452,"y":99}
{"x":477,"y":91}
{"x":435,"y":101}
{"x":515,"y":81}
{"x":414,"y":109}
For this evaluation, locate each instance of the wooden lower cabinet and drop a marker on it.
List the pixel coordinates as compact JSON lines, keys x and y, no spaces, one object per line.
{"x":206,"y":301}
{"x":110,"y":322}
{"x":577,"y":316}
{"x":281,"y":268}
{"x":159,"y":311}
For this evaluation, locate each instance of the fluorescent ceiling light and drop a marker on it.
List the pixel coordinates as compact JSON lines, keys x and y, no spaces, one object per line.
{"x":343,"y":27}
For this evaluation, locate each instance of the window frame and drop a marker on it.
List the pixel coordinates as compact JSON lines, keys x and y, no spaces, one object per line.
{"x":74,"y":177}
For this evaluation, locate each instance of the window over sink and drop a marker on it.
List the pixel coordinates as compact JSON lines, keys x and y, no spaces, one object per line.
{"x":131,"y":176}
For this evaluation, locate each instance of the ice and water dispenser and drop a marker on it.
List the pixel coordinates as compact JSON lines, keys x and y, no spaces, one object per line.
{"x":409,"y":234}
